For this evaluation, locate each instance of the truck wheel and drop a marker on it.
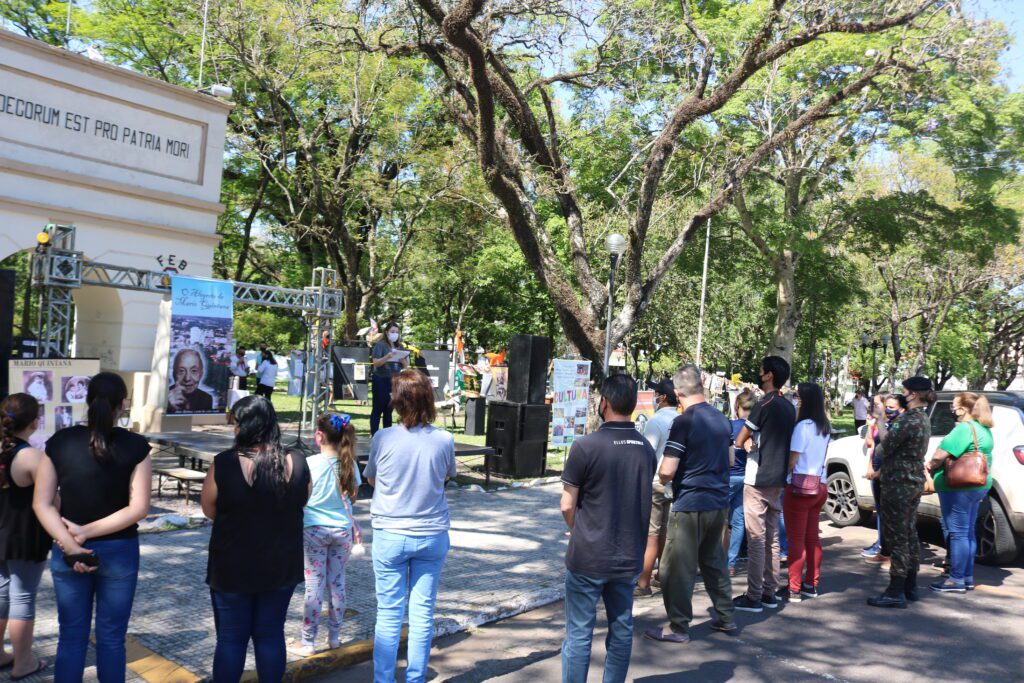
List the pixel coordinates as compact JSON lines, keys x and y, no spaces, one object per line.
{"x":841,"y":506}
{"x":996,"y":542}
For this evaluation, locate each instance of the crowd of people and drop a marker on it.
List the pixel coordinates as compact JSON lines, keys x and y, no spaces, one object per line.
{"x":694,"y":489}
{"x":644,"y":512}
{"x":279,"y":520}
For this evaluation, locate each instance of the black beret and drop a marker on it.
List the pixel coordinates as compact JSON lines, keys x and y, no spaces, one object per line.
{"x":917,"y":383}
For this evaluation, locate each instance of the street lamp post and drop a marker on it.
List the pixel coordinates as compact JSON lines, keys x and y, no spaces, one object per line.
{"x":866,"y":342}
{"x":616,"y":245}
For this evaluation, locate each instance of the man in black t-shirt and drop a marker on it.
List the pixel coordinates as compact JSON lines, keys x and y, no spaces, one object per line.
{"x":606,"y":502}
{"x":770,"y":424}
{"x":696,"y":462}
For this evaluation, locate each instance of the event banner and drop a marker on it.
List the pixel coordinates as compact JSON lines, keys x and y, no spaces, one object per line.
{"x":59,"y":384}
{"x":571,"y":385}
{"x":201,"y":345}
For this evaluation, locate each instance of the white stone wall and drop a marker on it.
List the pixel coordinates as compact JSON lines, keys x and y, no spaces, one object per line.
{"x":135,"y":201}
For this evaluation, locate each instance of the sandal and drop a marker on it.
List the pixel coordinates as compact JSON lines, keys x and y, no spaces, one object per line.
{"x":40,"y":665}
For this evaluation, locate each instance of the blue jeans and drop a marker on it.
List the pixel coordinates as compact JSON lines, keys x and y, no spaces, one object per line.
{"x":737,"y":528}
{"x":959,"y":515}
{"x":112,"y":588}
{"x":581,"y":596}
{"x":405,"y":564}
{"x":241,"y":617}
{"x":783,"y":543}
{"x":381,"y":403}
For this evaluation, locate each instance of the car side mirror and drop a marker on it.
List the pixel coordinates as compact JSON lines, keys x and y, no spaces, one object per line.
{"x":863,"y":431}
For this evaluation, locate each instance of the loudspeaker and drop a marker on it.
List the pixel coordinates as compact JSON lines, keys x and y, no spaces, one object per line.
{"x":7,"y":286}
{"x":476,"y":417}
{"x":528,"y":357}
{"x":518,"y":433}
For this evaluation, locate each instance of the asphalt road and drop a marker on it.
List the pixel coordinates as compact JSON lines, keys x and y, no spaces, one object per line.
{"x":836,"y":637}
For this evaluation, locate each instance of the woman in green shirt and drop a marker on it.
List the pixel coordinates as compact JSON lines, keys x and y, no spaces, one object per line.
{"x":960,"y":505}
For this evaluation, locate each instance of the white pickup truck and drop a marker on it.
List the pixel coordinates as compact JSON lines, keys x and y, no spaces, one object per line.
{"x":1001,"y":520}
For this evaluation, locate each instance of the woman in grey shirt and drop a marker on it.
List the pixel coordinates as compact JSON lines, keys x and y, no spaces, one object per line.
{"x":408,"y":467}
{"x":389,"y":359}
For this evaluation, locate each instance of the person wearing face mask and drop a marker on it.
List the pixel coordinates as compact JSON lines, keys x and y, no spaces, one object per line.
{"x":606,"y":503}
{"x":902,"y":448}
{"x":389,"y":359}
{"x":891,"y":406}
{"x":656,"y":432}
{"x":973,"y":433}
{"x":771,"y":425}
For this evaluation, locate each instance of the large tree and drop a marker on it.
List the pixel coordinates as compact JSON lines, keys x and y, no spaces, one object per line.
{"x":668,"y":67}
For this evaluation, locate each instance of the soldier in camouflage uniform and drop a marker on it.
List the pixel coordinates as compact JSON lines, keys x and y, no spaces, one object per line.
{"x":903,"y":449}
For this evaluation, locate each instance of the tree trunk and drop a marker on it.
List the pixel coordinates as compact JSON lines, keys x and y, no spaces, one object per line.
{"x":787,"y":307}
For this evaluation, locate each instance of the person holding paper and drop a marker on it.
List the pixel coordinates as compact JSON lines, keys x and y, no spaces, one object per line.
{"x":389,"y":359}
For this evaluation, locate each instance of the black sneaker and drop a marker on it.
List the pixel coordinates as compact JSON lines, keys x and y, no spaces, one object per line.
{"x":797,"y":597}
{"x":808,"y":591}
{"x":784,"y":594}
{"x":969,"y":585}
{"x":769,"y":601}
{"x":947,"y":586}
{"x":745,"y":604}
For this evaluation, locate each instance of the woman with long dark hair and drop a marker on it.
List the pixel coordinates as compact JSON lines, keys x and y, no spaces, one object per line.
{"x":24,"y":544}
{"x":805,"y":492}
{"x":409,"y":464}
{"x":104,"y":475}
{"x":254,"y":493}
{"x":330,"y":528}
{"x":388,"y":359}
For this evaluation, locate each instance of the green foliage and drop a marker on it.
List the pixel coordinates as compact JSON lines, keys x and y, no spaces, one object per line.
{"x":254,"y":325}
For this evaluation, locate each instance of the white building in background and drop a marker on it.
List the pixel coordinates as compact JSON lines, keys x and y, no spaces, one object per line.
{"x":134,"y":163}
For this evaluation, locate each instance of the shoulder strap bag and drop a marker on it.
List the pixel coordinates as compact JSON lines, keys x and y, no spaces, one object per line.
{"x":970,"y":470}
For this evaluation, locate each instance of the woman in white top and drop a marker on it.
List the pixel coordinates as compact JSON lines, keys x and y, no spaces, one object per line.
{"x":267,"y":372}
{"x":805,"y":493}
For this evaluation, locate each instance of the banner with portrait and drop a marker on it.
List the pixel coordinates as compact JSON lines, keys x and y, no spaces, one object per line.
{"x":199,"y":372}
{"x":61,"y":386}
{"x":571,"y":385}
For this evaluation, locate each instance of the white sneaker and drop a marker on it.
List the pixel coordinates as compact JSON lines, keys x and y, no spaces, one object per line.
{"x":297,"y":648}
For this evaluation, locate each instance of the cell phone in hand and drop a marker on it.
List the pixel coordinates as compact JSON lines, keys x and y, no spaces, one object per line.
{"x":88,"y":559}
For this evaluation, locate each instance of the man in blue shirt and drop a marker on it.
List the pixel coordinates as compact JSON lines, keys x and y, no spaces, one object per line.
{"x":606,"y":502}
{"x":697,"y":460}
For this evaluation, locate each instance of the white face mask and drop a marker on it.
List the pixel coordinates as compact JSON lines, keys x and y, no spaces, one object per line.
{"x":392,"y":337}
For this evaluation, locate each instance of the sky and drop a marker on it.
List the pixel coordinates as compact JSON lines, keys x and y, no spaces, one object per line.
{"x":1011,"y":13}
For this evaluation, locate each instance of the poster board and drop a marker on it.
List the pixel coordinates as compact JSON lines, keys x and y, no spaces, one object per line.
{"x":59,"y":384}
{"x":571,"y":385}
{"x":644,"y":410}
{"x":200,"y":346}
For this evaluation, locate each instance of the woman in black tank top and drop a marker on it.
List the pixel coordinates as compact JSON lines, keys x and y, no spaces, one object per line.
{"x":104,"y":475}
{"x":255,"y":494}
{"x":24,"y":544}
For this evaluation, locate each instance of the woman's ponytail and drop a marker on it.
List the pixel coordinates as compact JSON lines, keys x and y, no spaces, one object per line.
{"x":107,"y":392}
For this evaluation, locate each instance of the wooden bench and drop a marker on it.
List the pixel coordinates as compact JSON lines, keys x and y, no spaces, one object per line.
{"x":182,"y":475}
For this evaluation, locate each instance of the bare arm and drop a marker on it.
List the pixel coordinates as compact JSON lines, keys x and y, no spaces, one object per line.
{"x":44,"y":504}
{"x":570,"y":498}
{"x":937,"y":462}
{"x":794,"y":458}
{"x":743,"y":437}
{"x":208,"y":498}
{"x":669,"y":467}
{"x":136,"y":510}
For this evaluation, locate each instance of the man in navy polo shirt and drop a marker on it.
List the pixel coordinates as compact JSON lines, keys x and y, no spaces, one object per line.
{"x":697,"y":460}
{"x":606,"y":502}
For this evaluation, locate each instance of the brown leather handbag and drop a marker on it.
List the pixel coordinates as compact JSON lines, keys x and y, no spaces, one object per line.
{"x":970,"y":470}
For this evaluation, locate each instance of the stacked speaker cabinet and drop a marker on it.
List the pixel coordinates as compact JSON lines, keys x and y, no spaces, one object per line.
{"x":517,"y":429}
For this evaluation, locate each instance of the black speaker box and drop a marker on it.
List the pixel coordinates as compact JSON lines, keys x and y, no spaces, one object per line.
{"x":528,"y":357}
{"x":518,"y":433}
{"x":476,"y":417}
{"x":7,"y":286}
{"x":435,"y":364}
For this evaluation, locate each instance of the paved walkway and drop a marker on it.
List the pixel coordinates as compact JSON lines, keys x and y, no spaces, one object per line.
{"x":507,"y":556}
